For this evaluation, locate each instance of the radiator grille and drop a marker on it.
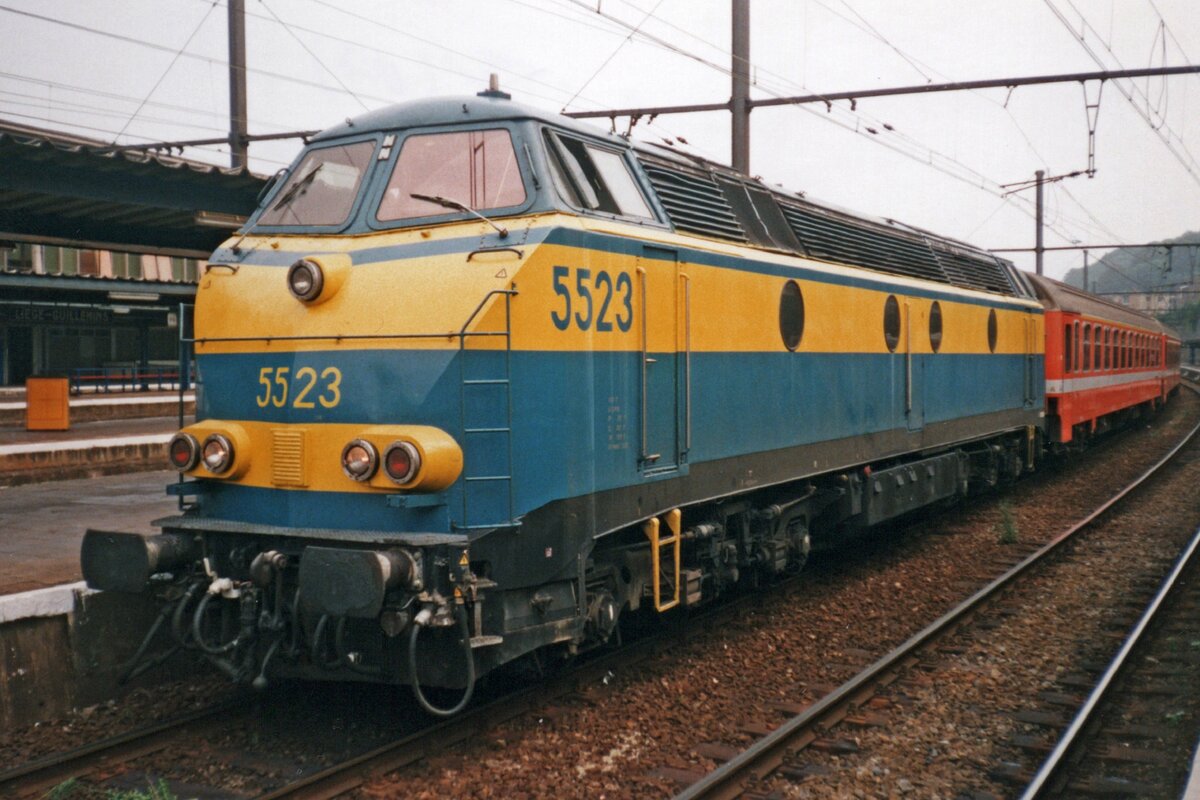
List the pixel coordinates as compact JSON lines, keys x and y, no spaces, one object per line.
{"x":694,"y":202}
{"x":287,"y":457}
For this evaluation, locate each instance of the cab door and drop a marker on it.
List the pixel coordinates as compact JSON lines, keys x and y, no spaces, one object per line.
{"x":661,"y":363}
{"x":914,"y":367}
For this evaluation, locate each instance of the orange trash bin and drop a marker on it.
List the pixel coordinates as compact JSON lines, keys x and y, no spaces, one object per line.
{"x":47,"y":404}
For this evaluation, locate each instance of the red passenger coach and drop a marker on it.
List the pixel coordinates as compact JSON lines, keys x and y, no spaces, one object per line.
{"x":1104,"y":362}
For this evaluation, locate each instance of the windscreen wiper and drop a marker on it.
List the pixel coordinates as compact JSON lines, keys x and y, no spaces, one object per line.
{"x":297,"y":188}
{"x":446,"y":202}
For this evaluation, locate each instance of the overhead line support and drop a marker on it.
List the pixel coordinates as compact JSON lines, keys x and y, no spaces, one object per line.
{"x":928,"y":88}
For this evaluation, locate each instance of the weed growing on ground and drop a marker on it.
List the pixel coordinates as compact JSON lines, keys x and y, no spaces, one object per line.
{"x":1008,"y":525}
{"x":74,"y":790}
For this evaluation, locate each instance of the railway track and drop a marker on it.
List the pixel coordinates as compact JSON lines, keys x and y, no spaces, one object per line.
{"x":102,"y":760}
{"x":343,"y":777}
{"x":1103,"y":752}
{"x":744,"y":774}
{"x":37,"y":778}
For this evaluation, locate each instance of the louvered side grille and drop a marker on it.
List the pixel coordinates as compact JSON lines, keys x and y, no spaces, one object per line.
{"x":695,"y":203}
{"x":974,"y":272}
{"x":287,"y":457}
{"x":830,"y":238}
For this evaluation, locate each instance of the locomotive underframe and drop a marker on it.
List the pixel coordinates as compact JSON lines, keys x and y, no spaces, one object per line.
{"x":345,"y":606}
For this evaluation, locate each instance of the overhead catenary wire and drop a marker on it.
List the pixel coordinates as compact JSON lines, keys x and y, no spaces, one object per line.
{"x":864,"y":25}
{"x":109,"y":95}
{"x":315,"y":57}
{"x":612,"y":55}
{"x":111,"y":131}
{"x":904,"y":144}
{"x":1169,"y":138}
{"x":194,"y":56}
{"x":167,"y":71}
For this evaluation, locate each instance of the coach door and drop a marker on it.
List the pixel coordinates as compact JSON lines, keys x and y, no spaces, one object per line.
{"x":661,"y":362}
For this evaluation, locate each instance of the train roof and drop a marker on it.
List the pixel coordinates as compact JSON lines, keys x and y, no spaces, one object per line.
{"x":1063,"y":297}
{"x":694,"y":192}
{"x":489,"y":106}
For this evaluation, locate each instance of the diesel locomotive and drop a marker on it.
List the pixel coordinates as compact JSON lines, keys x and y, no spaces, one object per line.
{"x":476,"y":380}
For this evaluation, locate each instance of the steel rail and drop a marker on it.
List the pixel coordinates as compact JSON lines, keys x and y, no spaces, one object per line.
{"x":1052,"y":767}
{"x":340,"y":778}
{"x":768,"y":752}
{"x":29,"y":778}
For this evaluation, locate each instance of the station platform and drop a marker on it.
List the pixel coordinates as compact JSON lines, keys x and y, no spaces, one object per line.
{"x":120,"y":433}
{"x":43,"y":523}
{"x":92,"y":407}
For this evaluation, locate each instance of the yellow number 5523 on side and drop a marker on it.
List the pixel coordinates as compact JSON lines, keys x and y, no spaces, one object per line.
{"x":279,"y":383}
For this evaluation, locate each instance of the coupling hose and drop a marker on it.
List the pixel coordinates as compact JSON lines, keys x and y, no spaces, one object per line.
{"x":418,"y":623}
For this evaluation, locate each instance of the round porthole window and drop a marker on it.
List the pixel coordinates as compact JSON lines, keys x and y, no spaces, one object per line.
{"x":791,"y":315}
{"x":935,"y":326}
{"x":891,"y":323}
{"x":992,"y":330}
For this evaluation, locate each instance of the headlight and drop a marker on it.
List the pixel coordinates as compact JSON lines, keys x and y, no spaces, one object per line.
{"x":402,"y":462}
{"x":305,"y":280}
{"x":360,"y":459}
{"x":217,"y":453}
{"x":184,"y":451}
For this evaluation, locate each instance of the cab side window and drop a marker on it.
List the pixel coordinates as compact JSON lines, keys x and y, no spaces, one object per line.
{"x":594,"y":178}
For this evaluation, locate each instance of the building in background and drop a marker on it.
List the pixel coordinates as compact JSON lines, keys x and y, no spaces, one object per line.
{"x":65,"y":309}
{"x":100,"y":247}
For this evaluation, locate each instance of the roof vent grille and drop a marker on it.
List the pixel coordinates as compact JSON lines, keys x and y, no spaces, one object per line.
{"x":694,"y":202}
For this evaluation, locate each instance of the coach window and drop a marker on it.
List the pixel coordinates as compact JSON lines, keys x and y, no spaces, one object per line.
{"x":475,"y":168}
{"x":1087,"y":349}
{"x":1068,"y":349}
{"x":594,"y":178}
{"x":791,"y":315}
{"x":993,"y":330}
{"x":1106,"y":351}
{"x":1078,"y":363}
{"x":935,"y":326}
{"x":891,"y":323}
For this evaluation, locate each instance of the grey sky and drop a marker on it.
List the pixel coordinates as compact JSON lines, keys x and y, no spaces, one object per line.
{"x":548,"y":52}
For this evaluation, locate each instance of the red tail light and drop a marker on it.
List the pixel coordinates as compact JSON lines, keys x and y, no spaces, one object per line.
{"x":184,"y":451}
{"x":402,"y":462}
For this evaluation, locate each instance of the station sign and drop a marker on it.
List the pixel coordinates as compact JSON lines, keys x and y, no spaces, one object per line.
{"x":54,"y":315}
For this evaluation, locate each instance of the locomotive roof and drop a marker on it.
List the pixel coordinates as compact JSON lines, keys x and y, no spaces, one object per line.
{"x":456,"y":110}
{"x":495,"y":106}
{"x":1061,"y":296}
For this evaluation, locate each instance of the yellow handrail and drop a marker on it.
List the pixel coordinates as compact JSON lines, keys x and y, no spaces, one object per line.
{"x":651,"y":528}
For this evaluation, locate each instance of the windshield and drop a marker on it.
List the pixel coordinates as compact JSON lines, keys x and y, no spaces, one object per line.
{"x":475,"y":168}
{"x":321,"y":190}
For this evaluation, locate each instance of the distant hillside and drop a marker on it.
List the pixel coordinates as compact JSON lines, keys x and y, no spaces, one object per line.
{"x":1142,"y":269}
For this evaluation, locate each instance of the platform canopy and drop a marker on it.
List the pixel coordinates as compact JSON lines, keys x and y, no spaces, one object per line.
{"x":60,"y":189}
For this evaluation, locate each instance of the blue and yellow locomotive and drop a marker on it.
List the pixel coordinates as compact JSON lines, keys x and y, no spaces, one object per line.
{"x":476,"y":380}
